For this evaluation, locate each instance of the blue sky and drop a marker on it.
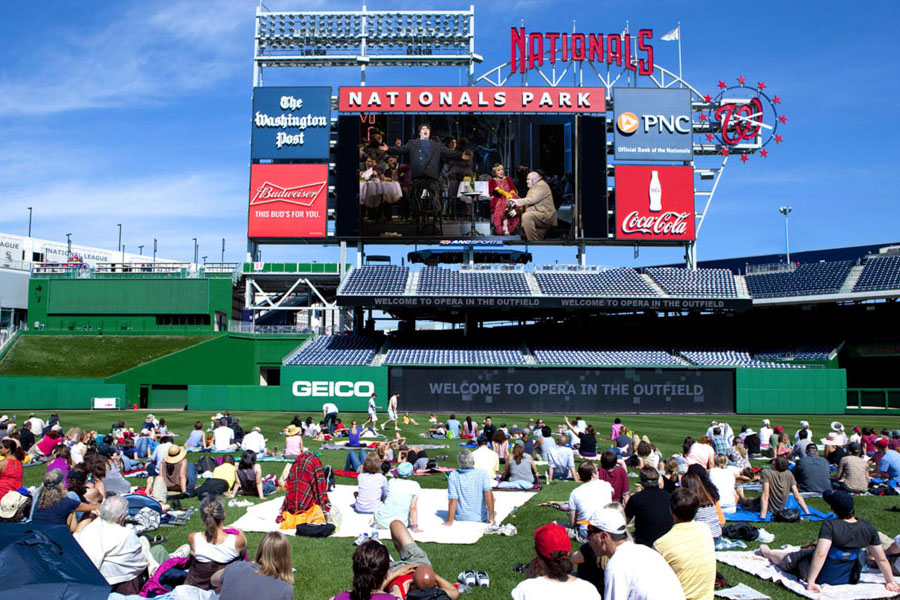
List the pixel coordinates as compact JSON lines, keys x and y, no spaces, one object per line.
{"x":138,"y":113}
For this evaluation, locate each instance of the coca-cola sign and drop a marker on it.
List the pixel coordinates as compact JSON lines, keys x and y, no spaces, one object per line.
{"x":288,"y":201}
{"x":654,"y":203}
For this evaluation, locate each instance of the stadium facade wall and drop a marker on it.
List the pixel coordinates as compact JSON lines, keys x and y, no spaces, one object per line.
{"x":134,"y":304}
{"x":49,"y":393}
{"x":791,"y":391}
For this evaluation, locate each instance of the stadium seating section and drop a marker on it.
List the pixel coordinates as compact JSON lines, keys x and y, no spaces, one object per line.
{"x":702,"y":283}
{"x":808,"y":352}
{"x":376,"y":279}
{"x":435,"y":281}
{"x":725,"y":357}
{"x":580,"y":355}
{"x":879,"y":273}
{"x":346,"y":349}
{"x":806,"y":280}
{"x":615,"y":282}
{"x":413,"y":353}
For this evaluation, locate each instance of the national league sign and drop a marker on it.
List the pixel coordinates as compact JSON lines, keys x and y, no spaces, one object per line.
{"x":654,"y":203}
{"x":288,"y":201}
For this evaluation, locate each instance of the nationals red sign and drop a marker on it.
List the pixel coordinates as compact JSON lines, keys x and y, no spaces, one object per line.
{"x":472,"y":99}
{"x":288,"y":201}
{"x":654,"y":203}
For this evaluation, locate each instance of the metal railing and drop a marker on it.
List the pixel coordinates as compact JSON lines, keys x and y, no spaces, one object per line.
{"x":6,"y":336}
{"x":770,"y":268}
{"x":251,"y":328}
{"x":873,"y":398}
{"x":17,"y":265}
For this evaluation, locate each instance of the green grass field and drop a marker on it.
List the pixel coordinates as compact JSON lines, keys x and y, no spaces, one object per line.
{"x":87,"y":356}
{"x":323,"y":565}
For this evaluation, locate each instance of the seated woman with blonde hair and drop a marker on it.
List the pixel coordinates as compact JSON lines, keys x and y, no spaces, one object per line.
{"x":268,"y":576}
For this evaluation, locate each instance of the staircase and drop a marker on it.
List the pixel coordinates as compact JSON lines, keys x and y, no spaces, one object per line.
{"x":740,"y":284}
{"x":533,"y":288}
{"x":649,"y":281}
{"x":526,"y":353}
{"x":379,"y":357}
{"x":851,"y":280}
{"x":412,"y":284}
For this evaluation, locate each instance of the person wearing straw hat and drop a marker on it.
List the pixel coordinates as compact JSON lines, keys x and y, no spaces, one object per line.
{"x":833,"y":447}
{"x":634,"y":571}
{"x":293,"y":442}
{"x":13,"y":507}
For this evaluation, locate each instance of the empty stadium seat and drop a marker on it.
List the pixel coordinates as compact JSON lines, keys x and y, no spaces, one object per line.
{"x":604,"y":356}
{"x":727,"y":357}
{"x":342,"y":349}
{"x":806,"y":280}
{"x":436,"y":281}
{"x":450,"y":353}
{"x":879,"y":273}
{"x":702,"y":283}
{"x":613,"y":283}
{"x":376,"y":279}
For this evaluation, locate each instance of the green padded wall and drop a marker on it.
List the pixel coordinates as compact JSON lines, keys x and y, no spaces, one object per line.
{"x":791,"y":391}
{"x":234,"y":397}
{"x":128,"y":296}
{"x":46,"y":393}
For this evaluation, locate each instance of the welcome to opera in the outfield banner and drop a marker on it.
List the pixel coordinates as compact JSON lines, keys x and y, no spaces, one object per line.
{"x":456,"y":99}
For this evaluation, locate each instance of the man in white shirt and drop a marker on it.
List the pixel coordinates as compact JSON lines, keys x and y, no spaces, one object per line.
{"x":37,"y":425}
{"x":634,"y":571}
{"x":587,"y":498}
{"x":560,"y":461}
{"x":765,"y":432}
{"x":372,"y":422}
{"x":115,"y":550}
{"x":393,"y":401}
{"x":223,"y":438}
{"x":159,"y":455}
{"x":255,"y":442}
{"x":486,"y":459}
{"x":330,"y":414}
{"x":809,"y":433}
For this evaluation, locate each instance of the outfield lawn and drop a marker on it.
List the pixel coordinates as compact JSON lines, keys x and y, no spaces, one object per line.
{"x":94,"y":356}
{"x":323,"y":566}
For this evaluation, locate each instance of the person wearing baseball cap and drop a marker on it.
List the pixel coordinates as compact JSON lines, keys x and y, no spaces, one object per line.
{"x":834,"y":561}
{"x":552,"y":569}
{"x":889,"y":465}
{"x":804,"y":425}
{"x":634,"y":571}
{"x":401,"y":501}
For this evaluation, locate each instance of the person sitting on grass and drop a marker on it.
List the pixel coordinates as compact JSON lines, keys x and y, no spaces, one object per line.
{"x":173,"y":476}
{"x":688,"y":547}
{"x":469,"y":492}
{"x":223,"y":438}
{"x":413,"y":571}
{"x":500,"y":445}
{"x":400,"y":501}
{"x":520,"y":472}
{"x":222,"y":482}
{"x":371,"y":486}
{"x":552,"y":568}
{"x":371,"y":562}
{"x":54,"y":506}
{"x":708,"y":510}
{"x":269,"y":576}
{"x":11,"y":470}
{"x":560,"y":461}
{"x":853,"y":471}
{"x":114,"y":549}
{"x":834,"y":561}
{"x":213,"y":549}
{"x":250,"y":479}
{"x":306,"y":486}
{"x":616,"y":475}
{"x":408,"y":419}
{"x":649,"y":508}
{"x":293,"y":442}
{"x":485,"y":458}
{"x":589,"y":497}
{"x":777,"y":484}
{"x":255,"y":442}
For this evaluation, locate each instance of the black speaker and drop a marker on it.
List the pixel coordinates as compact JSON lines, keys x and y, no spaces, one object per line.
{"x":592,"y":169}
{"x":346,"y":159}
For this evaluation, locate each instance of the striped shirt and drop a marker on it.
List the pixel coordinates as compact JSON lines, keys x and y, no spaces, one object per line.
{"x":468,"y":487}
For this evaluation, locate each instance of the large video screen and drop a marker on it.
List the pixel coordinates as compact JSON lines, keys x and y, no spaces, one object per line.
{"x":512,"y":178}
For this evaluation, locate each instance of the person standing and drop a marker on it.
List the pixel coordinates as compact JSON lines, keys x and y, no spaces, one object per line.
{"x":330,"y":414}
{"x":392,"y":411}
{"x":372,"y":422}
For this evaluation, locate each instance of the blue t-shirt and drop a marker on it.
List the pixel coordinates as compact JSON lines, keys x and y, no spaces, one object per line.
{"x":454,"y":425}
{"x":890,"y":464}
{"x":194,"y":440}
{"x":468,"y":487}
{"x":57,"y":513}
{"x":354,"y":436}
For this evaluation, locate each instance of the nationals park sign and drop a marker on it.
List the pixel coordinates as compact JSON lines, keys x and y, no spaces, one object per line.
{"x":463,"y":99}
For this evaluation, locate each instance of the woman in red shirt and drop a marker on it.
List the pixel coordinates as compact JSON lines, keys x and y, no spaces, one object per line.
{"x":11,"y":468}
{"x":498,"y":184}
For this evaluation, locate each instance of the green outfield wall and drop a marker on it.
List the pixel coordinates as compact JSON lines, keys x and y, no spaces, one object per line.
{"x":791,"y":391}
{"x":49,"y":393}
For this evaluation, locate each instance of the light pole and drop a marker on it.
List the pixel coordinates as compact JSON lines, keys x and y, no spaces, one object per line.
{"x":119,"y":225}
{"x":141,"y":249}
{"x":204,"y":259}
{"x":196,"y":251}
{"x":29,"y":221}
{"x":223,"y":250}
{"x":154,"y":251}
{"x":786,"y":210}
{"x":68,"y":247}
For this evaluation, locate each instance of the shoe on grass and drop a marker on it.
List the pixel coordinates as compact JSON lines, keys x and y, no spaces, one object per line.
{"x":482,"y":579}
{"x":468,"y":578}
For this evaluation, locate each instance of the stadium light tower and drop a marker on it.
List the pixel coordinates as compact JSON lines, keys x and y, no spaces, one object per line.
{"x":786,"y":210}
{"x":68,"y":246}
{"x":119,"y":225}
{"x":29,"y":221}
{"x":141,"y":249}
{"x":196,"y":251}
{"x":154,"y":251}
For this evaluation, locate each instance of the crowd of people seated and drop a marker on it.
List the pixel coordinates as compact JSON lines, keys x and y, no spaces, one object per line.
{"x":657,"y":540}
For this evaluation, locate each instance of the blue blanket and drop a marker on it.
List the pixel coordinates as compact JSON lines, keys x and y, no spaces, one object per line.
{"x":742,"y":514}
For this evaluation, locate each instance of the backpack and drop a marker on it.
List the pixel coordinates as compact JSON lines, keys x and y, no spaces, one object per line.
{"x":206,"y":463}
{"x":740,"y":531}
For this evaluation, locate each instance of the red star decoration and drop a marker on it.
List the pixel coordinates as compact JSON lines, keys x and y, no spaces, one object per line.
{"x":722,"y":84}
{"x":776,"y":100}
{"x":778,"y":139}
{"x":744,"y":158}
{"x":741,"y":79}
{"x":761,"y":85}
{"x":783,"y":118}
{"x":709,"y":137}
{"x":724,"y":151}
{"x":703,"y":116}
{"x":764,"y":153}
{"x":708,"y":98}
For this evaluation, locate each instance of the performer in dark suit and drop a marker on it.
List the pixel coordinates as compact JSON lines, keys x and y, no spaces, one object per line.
{"x":425,"y":161}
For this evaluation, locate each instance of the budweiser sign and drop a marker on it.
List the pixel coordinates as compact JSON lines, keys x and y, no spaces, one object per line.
{"x":654,"y":203}
{"x":288,"y":201}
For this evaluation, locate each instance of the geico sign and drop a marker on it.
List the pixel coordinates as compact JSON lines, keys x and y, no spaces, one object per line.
{"x":339,"y":389}
{"x":627,"y":123}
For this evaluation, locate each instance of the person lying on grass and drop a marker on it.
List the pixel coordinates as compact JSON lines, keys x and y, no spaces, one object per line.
{"x":413,"y":571}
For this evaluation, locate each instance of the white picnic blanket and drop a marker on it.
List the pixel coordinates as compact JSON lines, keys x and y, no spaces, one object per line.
{"x":871,"y":585}
{"x":432,"y":505}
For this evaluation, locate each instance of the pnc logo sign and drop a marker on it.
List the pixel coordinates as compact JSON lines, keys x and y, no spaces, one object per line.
{"x":627,"y":123}
{"x":336,"y":389}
